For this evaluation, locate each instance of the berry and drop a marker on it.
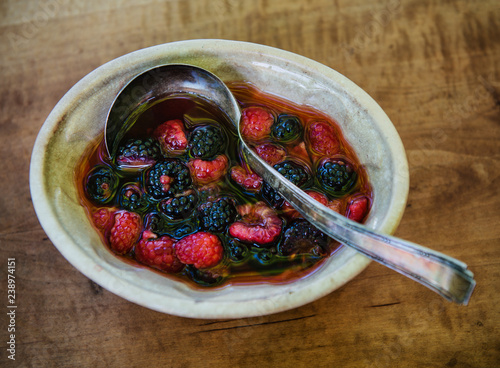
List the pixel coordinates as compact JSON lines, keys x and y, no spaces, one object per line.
{"x":101,"y":184}
{"x":205,"y":172}
{"x":256,"y":123}
{"x":293,"y":213}
{"x":200,"y":249}
{"x":287,"y":128}
{"x":336,"y":176}
{"x":237,"y":251}
{"x":179,"y":207}
{"x":259,"y":224}
{"x":322,"y":139}
{"x":172,"y":137}
{"x":271,"y":153}
{"x":216,"y":215}
{"x":357,"y":209}
{"x":125,"y":232}
{"x":167,"y":178}
{"x":158,"y":252}
{"x":131,"y":198}
{"x":139,"y":153}
{"x":295,"y":173}
{"x":302,"y":237}
{"x":247,"y":179}
{"x":103,"y":218}
{"x":206,"y":142}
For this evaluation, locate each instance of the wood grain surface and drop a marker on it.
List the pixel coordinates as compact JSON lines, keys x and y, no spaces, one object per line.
{"x":433,"y":66}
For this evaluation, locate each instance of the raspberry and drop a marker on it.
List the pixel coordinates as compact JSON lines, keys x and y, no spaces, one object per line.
{"x":302,"y":237}
{"x":125,"y":232}
{"x":206,"y":142}
{"x":172,"y":137}
{"x":247,"y":179}
{"x":101,"y":184}
{"x":287,"y":128}
{"x":292,"y":171}
{"x":205,"y":172}
{"x":337,"y":176}
{"x":179,"y":207}
{"x":216,"y":215}
{"x":322,"y":139}
{"x":259,"y":224}
{"x":357,"y":209}
{"x":158,"y":252}
{"x":256,"y":123}
{"x":271,"y":153}
{"x":103,"y":218}
{"x":139,"y":153}
{"x":131,"y":198}
{"x":167,"y":178}
{"x":293,"y":213}
{"x":200,"y":249}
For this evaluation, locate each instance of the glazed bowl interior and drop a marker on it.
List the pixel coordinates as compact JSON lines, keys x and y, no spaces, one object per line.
{"x":79,"y":119}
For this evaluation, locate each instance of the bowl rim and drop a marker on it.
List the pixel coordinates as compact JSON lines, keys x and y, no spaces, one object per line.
{"x":62,"y":240}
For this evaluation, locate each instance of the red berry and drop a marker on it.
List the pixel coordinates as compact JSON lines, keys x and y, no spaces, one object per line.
{"x":205,"y":172}
{"x":322,"y":138}
{"x":171,"y":136}
{"x":158,"y":252}
{"x":335,"y":205}
{"x":125,"y":231}
{"x":200,"y":249}
{"x":271,"y":153}
{"x":248,"y":180}
{"x":256,"y":123}
{"x":293,"y":213}
{"x":357,"y":209}
{"x":259,"y":224}
{"x":103,"y":218}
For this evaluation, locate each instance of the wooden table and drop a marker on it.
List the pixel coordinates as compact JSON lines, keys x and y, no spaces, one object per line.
{"x":433,"y":66}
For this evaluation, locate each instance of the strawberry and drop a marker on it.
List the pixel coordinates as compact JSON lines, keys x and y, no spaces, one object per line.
{"x":259,"y":224}
{"x":172,"y":137}
{"x":158,"y":252}
{"x":357,"y":209}
{"x":205,"y":172}
{"x":271,"y":153}
{"x":200,"y":249}
{"x":249,"y":180}
{"x":322,"y":139}
{"x":256,"y":123}
{"x":125,"y":232}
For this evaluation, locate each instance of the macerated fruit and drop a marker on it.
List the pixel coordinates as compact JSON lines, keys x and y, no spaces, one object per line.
{"x":246,"y":179}
{"x":180,"y":206}
{"x":322,"y":139}
{"x":256,"y":123}
{"x":167,"y":178}
{"x":287,"y":128}
{"x":295,"y":173}
{"x":302,"y":237}
{"x":271,"y":153}
{"x":337,"y":176}
{"x":125,"y":232}
{"x":101,"y":184}
{"x":158,"y":252}
{"x":206,"y":142}
{"x":139,"y":152}
{"x":357,"y":209}
{"x":200,"y":249}
{"x":206,"y":172}
{"x":217,"y":215}
{"x":131,"y":198}
{"x":172,"y":137}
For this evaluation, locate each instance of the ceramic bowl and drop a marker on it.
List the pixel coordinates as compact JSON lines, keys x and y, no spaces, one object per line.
{"x":79,"y":119}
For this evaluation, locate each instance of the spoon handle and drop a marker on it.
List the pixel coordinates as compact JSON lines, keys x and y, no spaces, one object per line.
{"x":445,"y":275}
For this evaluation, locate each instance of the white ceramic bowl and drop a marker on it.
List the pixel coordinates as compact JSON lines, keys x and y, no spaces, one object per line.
{"x":80,"y":116}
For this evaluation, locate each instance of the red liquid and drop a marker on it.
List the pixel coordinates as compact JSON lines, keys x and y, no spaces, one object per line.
{"x":195,"y":112}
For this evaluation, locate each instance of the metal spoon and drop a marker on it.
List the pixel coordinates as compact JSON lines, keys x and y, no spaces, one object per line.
{"x":446,"y":276}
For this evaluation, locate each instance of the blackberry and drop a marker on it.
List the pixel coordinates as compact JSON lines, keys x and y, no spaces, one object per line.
{"x":215,"y":216}
{"x":206,"y":142}
{"x":139,"y":152}
{"x":179,"y":207}
{"x":302,"y":237}
{"x":101,"y":184}
{"x":237,"y":251}
{"x":287,"y":128}
{"x":167,"y":178}
{"x":336,"y":176}
{"x":131,"y":198}
{"x":294,"y":172}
